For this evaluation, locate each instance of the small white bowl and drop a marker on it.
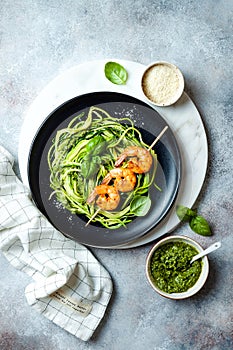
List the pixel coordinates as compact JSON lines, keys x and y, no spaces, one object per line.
{"x":200,"y":282}
{"x":162,"y":83}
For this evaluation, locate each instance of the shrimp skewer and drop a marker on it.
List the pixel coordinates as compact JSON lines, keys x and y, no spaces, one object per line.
{"x":140,"y":159}
{"x":140,"y":162}
{"x":108,"y":197}
{"x":124,"y":179}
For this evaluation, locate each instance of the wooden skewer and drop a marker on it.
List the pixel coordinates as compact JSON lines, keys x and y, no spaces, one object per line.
{"x":151,"y":146}
{"x":157,"y":138}
{"x":93,"y":216}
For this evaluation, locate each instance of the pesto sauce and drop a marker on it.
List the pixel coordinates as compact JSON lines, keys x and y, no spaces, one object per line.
{"x":171,"y":269}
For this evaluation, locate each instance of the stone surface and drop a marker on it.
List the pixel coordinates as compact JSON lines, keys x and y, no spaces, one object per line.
{"x":39,"y":40}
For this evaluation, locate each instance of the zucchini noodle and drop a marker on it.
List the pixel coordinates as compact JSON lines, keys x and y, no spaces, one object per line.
{"x":78,"y":163}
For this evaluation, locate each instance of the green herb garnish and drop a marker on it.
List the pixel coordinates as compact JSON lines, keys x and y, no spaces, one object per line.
{"x":92,"y":160}
{"x":197,"y":223}
{"x":116,"y":73}
{"x":140,"y":205}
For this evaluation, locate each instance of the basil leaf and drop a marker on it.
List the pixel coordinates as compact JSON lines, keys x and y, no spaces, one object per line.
{"x":116,"y":73}
{"x":95,"y":145}
{"x":140,"y":205}
{"x":91,"y":162}
{"x":184,"y":213}
{"x":199,"y":225}
{"x":90,"y":166}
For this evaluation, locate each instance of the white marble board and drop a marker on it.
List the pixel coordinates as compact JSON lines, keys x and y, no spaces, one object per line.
{"x":183,"y":118}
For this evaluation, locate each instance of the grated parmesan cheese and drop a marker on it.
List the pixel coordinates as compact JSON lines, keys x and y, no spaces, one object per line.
{"x":161,"y":83}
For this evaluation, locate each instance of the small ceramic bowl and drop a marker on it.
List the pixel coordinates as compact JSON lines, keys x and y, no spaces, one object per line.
{"x":162,"y":83}
{"x":201,"y":280}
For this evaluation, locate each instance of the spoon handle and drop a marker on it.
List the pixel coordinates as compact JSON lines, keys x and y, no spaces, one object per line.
{"x":211,"y":248}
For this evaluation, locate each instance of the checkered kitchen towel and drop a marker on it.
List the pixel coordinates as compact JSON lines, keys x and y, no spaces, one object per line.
{"x":70,"y":287}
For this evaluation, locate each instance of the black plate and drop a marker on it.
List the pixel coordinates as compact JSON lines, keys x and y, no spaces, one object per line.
{"x":168,"y":174}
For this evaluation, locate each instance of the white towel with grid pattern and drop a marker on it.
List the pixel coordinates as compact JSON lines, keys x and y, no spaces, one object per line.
{"x":69,"y":286}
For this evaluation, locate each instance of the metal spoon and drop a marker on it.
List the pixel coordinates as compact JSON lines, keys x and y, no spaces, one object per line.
{"x":211,"y":248}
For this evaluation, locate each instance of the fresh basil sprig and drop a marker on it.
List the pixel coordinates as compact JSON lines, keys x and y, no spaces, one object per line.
{"x":116,"y":73}
{"x":197,"y":223}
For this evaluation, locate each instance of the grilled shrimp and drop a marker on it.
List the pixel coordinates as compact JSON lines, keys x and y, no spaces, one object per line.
{"x":108,"y":197}
{"x":124,"y":179}
{"x":140,"y":159}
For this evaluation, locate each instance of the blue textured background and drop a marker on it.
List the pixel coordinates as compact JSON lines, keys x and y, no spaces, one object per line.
{"x":40,"y":39}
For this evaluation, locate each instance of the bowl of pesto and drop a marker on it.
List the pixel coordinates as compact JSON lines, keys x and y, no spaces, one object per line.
{"x":169,"y":271}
